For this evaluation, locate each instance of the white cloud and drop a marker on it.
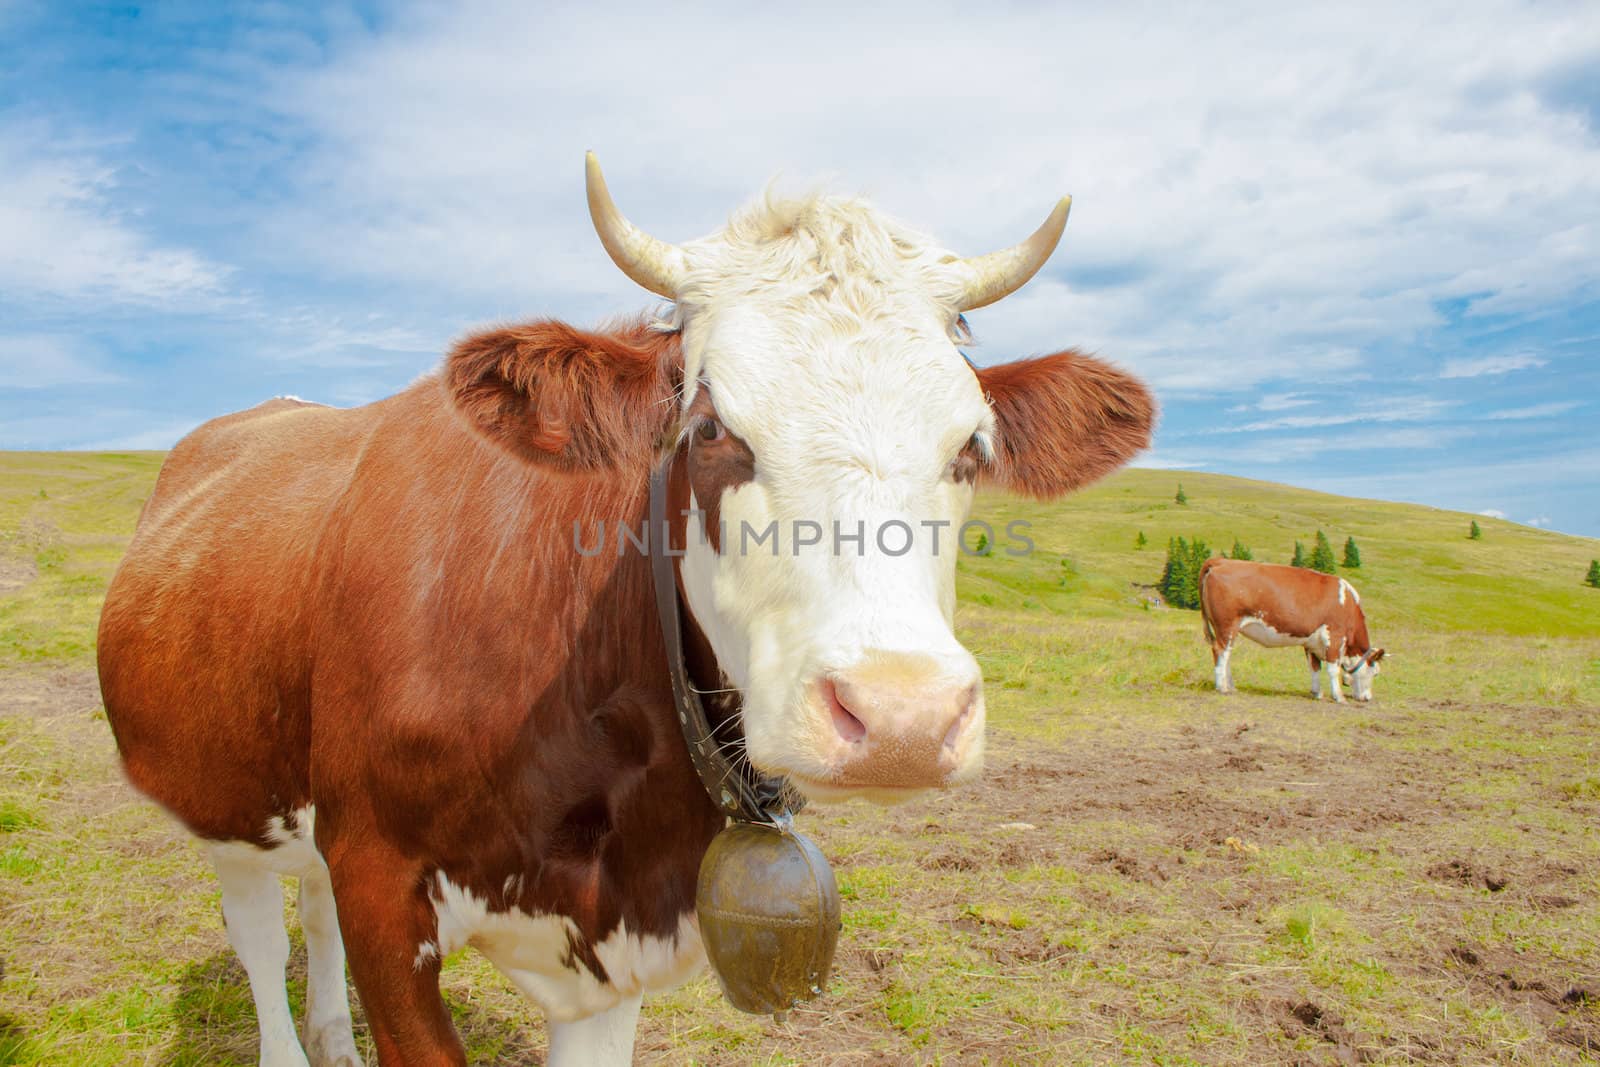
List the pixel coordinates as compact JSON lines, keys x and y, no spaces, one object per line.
{"x":1477,"y":368}
{"x":154,"y":438}
{"x":1542,"y":520}
{"x":1492,"y":513}
{"x":1393,"y":409}
{"x":62,"y":237}
{"x":1276,"y":196}
{"x":1535,"y":411}
{"x":1164,"y":462}
{"x":39,"y":361}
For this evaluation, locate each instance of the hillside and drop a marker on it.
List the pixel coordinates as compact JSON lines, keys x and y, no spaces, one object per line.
{"x":1147,"y":872}
{"x":66,"y":516}
{"x":1418,"y":567}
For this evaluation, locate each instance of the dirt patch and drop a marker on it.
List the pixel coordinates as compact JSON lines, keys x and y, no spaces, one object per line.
{"x":1464,"y":873}
{"x":16,"y":573}
{"x":1304,"y":1017}
{"x":1552,"y":998}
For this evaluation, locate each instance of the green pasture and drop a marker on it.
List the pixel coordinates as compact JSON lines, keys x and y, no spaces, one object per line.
{"x":1150,"y":872}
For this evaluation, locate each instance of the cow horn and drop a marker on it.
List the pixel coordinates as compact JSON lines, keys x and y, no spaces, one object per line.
{"x":999,"y":274}
{"x":654,"y":264}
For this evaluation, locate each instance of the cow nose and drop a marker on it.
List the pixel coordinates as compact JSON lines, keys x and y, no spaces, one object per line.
{"x":906,"y":721}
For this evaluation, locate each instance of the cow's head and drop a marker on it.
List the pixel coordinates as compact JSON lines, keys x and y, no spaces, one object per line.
{"x":1359,"y":671}
{"x":821,"y":396}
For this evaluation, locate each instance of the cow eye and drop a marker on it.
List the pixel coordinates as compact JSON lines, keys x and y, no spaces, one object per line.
{"x":710,"y":429}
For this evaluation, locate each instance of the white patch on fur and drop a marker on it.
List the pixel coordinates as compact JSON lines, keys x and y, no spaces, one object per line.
{"x":603,"y":1040}
{"x":1221,"y":676}
{"x":293,"y":853}
{"x":532,"y":950}
{"x":252,"y":906}
{"x":1333,"y":669}
{"x":824,"y":331}
{"x":1257,"y":630}
{"x":1346,"y":587}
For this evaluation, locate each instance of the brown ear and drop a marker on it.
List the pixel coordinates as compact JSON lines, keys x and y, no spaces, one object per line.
{"x":1375,"y":655}
{"x":1064,"y":421}
{"x":573,"y":399}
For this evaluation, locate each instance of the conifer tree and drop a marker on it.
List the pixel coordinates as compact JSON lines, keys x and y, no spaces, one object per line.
{"x":1476,"y":533}
{"x":1240,"y":551}
{"x":1352,"y":555}
{"x":1181,"y":498}
{"x":1180,"y":576}
{"x":1322,"y":555}
{"x":1172,"y":572}
{"x":1299,"y":555}
{"x":1141,"y":540}
{"x":1594,"y":574}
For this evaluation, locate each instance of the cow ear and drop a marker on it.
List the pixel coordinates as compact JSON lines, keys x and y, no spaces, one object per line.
{"x":566,"y":398}
{"x":1063,"y":421}
{"x":1375,"y":655}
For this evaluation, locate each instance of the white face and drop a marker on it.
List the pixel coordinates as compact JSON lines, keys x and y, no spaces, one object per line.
{"x":858,"y":414}
{"x":1360,"y":678}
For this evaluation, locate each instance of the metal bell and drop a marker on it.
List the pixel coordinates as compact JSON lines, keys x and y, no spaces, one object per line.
{"x":769,"y":916}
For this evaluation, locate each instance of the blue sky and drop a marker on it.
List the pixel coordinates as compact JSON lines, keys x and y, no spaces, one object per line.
{"x":1355,"y":250}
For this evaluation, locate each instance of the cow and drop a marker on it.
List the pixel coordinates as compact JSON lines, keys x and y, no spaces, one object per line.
{"x":1280,"y":606}
{"x":409,"y":654}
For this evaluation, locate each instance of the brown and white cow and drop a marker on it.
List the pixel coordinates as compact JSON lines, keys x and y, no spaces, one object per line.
{"x":1280,"y":606}
{"x":375,"y":648}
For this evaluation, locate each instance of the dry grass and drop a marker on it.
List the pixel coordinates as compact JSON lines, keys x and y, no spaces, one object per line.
{"x":1148,"y":873}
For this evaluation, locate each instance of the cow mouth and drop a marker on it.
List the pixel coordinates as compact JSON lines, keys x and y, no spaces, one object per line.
{"x":832,"y":791}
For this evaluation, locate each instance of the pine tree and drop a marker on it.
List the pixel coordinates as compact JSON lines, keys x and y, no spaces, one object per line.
{"x":1239,"y":551}
{"x":1476,"y":533}
{"x":1198,"y":554}
{"x":1322,"y":555}
{"x":1594,"y":574}
{"x":982,"y":547}
{"x":1299,"y":555}
{"x":1352,"y":555}
{"x":1141,"y":540}
{"x":1181,"y":498}
{"x":1171,"y":584}
{"x":1180,"y":576}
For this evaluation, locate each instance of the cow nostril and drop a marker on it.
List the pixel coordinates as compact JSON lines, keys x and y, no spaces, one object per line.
{"x":845,"y":724}
{"x":969,"y":701}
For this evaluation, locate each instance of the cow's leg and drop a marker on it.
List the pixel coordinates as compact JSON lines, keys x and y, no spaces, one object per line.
{"x":252,"y":907}
{"x":1316,"y":675}
{"x":387,"y":920}
{"x":1221,"y":652}
{"x":603,"y":1040}
{"x":1333,"y":680}
{"x":328,"y":1036}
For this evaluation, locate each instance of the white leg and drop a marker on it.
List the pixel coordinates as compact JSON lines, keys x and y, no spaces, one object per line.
{"x":252,"y":906}
{"x":1316,"y":682}
{"x":329,"y":1039}
{"x":1223,"y":678}
{"x":1333,"y":681}
{"x":604,"y":1040}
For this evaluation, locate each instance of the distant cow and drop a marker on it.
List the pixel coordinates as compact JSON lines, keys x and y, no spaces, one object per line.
{"x":369,"y":647}
{"x":1279,"y":606}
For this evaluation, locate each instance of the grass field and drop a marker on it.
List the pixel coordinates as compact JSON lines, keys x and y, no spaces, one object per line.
{"x":1148,"y":873}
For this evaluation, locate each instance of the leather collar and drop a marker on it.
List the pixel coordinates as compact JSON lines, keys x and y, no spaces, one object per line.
{"x":736,"y":788}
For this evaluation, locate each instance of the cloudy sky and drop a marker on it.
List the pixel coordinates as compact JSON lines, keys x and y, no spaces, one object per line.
{"x":1356,"y":250}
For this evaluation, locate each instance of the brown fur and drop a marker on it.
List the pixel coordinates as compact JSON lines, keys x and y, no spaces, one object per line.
{"x":1292,"y":600}
{"x":1064,"y":421}
{"x":380,"y":611}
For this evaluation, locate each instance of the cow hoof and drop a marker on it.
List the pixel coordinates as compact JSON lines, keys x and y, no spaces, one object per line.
{"x":333,"y":1045}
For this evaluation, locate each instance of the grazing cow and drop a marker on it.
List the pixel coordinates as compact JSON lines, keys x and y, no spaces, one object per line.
{"x":407,"y":652}
{"x":1278,"y":606}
